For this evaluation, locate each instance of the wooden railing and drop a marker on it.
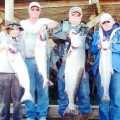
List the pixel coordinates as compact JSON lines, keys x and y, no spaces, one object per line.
{"x":52,"y":112}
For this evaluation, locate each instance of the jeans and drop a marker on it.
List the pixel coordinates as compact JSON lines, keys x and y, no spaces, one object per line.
{"x":38,"y":109}
{"x":83,"y":94}
{"x":9,"y":85}
{"x":109,"y":109}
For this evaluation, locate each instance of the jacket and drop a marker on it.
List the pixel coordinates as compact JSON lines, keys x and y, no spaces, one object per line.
{"x":60,"y":34}
{"x":115,"y":49}
{"x":5,"y":66}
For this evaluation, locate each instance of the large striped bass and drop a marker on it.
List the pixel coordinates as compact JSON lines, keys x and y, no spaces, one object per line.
{"x":20,"y":68}
{"x":42,"y":53}
{"x":74,"y":71}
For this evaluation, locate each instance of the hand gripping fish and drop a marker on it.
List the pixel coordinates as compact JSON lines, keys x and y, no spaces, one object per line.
{"x":41,"y":55}
{"x":105,"y":64}
{"x":20,"y":68}
{"x":74,"y":71}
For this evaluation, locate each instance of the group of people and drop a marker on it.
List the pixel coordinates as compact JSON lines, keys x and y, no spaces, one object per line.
{"x":22,"y":37}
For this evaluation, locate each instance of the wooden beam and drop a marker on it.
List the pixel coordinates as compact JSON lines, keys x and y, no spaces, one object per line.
{"x":59,"y":3}
{"x":94,"y":21}
{"x":98,"y":7}
{"x":9,"y":11}
{"x":1,"y":20}
{"x":55,"y":3}
{"x":53,"y":111}
{"x":2,"y":15}
{"x":93,"y":1}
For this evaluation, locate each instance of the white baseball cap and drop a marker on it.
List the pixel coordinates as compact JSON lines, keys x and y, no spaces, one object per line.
{"x":34,"y":4}
{"x":105,"y":17}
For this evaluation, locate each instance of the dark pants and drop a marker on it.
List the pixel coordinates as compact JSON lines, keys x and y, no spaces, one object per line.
{"x":9,"y":87}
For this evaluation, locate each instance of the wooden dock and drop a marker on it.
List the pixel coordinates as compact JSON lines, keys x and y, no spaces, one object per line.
{"x":53,"y":114}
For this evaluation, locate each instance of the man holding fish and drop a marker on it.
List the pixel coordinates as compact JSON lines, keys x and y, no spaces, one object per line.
{"x":106,"y":67}
{"x":11,"y":44}
{"x":70,"y":36}
{"x":36,"y":60}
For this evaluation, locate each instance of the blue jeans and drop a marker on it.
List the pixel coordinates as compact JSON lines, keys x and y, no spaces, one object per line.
{"x":40,"y":108}
{"x":83,"y":94}
{"x":9,"y":87}
{"x":109,"y":109}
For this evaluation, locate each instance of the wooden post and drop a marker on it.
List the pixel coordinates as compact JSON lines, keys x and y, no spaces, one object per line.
{"x":9,"y":11}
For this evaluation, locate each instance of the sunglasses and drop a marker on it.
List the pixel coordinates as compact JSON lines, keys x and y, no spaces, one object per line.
{"x":76,"y":15}
{"x":105,"y":22}
{"x":33,"y":9}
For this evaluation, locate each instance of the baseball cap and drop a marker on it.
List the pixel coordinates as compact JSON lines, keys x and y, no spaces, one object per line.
{"x":76,"y":9}
{"x":34,"y":4}
{"x":14,"y":25}
{"x":105,"y":17}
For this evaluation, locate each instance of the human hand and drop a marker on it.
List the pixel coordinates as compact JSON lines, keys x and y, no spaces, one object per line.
{"x":105,"y":45}
{"x":44,"y":35}
{"x":99,"y":46}
{"x":12,"y":49}
{"x":44,"y":27}
{"x":71,"y":33}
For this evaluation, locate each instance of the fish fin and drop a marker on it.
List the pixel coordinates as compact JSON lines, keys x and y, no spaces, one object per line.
{"x":50,"y":83}
{"x":83,"y":76}
{"x":65,"y":91}
{"x":112,"y":71}
{"x":45,"y":83}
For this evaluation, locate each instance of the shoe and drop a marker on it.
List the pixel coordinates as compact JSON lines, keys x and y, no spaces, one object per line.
{"x":42,"y":119}
{"x":30,"y":119}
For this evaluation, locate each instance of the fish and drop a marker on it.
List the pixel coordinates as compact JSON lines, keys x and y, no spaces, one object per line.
{"x":74,"y":70}
{"x":17,"y":63}
{"x":105,"y":63}
{"x":42,"y":55}
{"x":105,"y":68}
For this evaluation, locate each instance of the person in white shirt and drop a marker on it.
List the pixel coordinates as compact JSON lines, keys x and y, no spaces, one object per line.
{"x":33,"y":27}
{"x":9,"y":82}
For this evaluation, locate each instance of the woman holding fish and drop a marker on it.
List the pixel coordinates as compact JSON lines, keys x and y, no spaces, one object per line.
{"x":106,"y":67}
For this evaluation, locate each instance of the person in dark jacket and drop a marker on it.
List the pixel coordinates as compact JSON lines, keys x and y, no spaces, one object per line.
{"x":108,"y":30}
{"x":61,"y":37}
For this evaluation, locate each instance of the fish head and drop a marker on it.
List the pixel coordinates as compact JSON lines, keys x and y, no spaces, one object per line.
{"x":78,"y":41}
{"x":106,"y":44}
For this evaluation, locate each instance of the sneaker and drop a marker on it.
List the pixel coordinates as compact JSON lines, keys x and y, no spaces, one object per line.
{"x":42,"y":119}
{"x":30,"y":119}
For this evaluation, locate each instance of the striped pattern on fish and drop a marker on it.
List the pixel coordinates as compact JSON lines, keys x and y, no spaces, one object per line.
{"x":74,"y":71}
{"x":42,"y":53}
{"x":20,"y":68}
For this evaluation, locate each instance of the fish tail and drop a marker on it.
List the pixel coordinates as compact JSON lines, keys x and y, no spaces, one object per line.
{"x":27,"y":97}
{"x":106,"y":98}
{"x":84,"y":75}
